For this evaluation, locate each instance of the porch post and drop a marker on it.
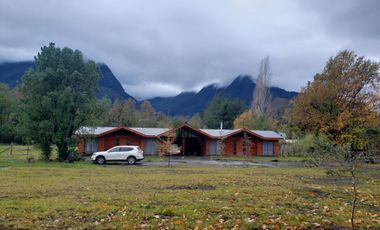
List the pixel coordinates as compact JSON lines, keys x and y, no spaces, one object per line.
{"x":183,"y":146}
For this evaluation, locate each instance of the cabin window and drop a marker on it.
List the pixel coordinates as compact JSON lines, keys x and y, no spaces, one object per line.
{"x":244,"y":147}
{"x":91,"y":145}
{"x":267,"y":148}
{"x":117,"y":140}
{"x":213,"y":147}
{"x":150,"y":147}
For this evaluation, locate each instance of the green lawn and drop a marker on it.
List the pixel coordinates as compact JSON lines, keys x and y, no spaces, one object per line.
{"x":83,"y":195}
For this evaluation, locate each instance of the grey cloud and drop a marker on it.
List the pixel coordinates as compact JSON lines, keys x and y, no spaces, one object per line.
{"x":159,"y":48}
{"x":355,"y":18}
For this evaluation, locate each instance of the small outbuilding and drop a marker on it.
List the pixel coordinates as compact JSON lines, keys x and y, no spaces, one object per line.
{"x":191,"y":141}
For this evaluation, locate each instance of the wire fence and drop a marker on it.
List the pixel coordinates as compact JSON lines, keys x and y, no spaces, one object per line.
{"x":17,"y":152}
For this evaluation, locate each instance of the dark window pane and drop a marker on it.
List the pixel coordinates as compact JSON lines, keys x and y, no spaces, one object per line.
{"x":115,"y":150}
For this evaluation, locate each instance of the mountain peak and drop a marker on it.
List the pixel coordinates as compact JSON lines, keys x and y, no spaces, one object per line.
{"x":243,"y":78}
{"x":109,"y":86}
{"x":240,"y":88}
{"x":240,"y":81}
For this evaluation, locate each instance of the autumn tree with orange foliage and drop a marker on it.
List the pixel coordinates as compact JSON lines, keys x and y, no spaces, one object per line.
{"x":342,"y":102}
{"x":244,"y":120}
{"x":248,"y":120}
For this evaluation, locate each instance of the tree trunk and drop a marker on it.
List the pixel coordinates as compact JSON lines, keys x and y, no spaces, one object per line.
{"x":46,"y":150}
{"x":63,"y":151}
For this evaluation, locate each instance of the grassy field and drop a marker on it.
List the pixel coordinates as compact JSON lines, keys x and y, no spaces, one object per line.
{"x":83,"y":195}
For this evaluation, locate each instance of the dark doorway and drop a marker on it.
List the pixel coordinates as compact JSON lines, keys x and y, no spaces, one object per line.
{"x":193,"y":147}
{"x":189,"y":142}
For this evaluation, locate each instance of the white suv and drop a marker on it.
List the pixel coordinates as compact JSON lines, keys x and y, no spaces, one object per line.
{"x":129,"y":153}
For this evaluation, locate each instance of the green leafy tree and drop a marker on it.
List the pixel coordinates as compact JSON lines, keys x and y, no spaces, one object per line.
{"x":222,"y":109}
{"x":130,"y":113}
{"x":100,"y":116}
{"x":177,"y":121}
{"x":196,"y":121}
{"x":58,"y":97}
{"x":7,"y":114}
{"x":147,"y":115}
{"x":120,"y":113}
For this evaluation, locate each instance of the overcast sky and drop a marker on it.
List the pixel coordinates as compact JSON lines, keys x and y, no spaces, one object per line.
{"x":160,"y":48}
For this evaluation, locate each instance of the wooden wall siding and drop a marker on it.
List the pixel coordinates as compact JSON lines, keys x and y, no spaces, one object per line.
{"x":204,"y":143}
{"x":101,"y":144}
{"x":80,"y":145}
{"x":259,"y":148}
{"x":276,"y":148}
{"x":111,"y":140}
{"x":255,"y":150}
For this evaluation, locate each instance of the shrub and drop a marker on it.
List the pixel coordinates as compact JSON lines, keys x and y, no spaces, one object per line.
{"x":298,"y":147}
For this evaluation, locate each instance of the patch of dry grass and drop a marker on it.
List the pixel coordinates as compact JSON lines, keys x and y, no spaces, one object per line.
{"x":83,"y":195}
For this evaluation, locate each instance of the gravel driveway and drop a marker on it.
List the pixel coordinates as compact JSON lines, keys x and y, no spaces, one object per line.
{"x":231,"y":163}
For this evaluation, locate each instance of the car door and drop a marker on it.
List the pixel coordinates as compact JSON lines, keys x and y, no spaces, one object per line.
{"x":113,"y":153}
{"x":126,"y":152}
{"x":122,"y":154}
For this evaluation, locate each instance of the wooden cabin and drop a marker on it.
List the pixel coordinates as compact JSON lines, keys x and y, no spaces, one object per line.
{"x":191,"y":141}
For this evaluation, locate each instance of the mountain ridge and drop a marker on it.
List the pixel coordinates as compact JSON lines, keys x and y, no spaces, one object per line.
{"x":241,"y":88}
{"x":109,"y":86}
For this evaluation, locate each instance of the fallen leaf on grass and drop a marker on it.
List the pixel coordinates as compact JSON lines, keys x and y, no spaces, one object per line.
{"x":178,"y":222}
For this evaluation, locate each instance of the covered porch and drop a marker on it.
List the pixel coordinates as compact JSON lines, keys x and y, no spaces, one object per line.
{"x":191,"y":142}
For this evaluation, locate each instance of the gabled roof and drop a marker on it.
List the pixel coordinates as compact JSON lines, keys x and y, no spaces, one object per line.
{"x":268,"y":134}
{"x":263,"y":134}
{"x":151,"y":131}
{"x":156,"y":132}
{"x":104,"y":130}
{"x":217,"y":132}
{"x":189,"y":127}
{"x":92,"y":130}
{"x":121,"y":128}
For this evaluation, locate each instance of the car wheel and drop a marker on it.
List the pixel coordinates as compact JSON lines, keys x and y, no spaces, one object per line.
{"x":131,"y":160}
{"x":100,"y":160}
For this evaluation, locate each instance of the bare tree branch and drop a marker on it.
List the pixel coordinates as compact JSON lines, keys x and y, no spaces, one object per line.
{"x":261,"y":94}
